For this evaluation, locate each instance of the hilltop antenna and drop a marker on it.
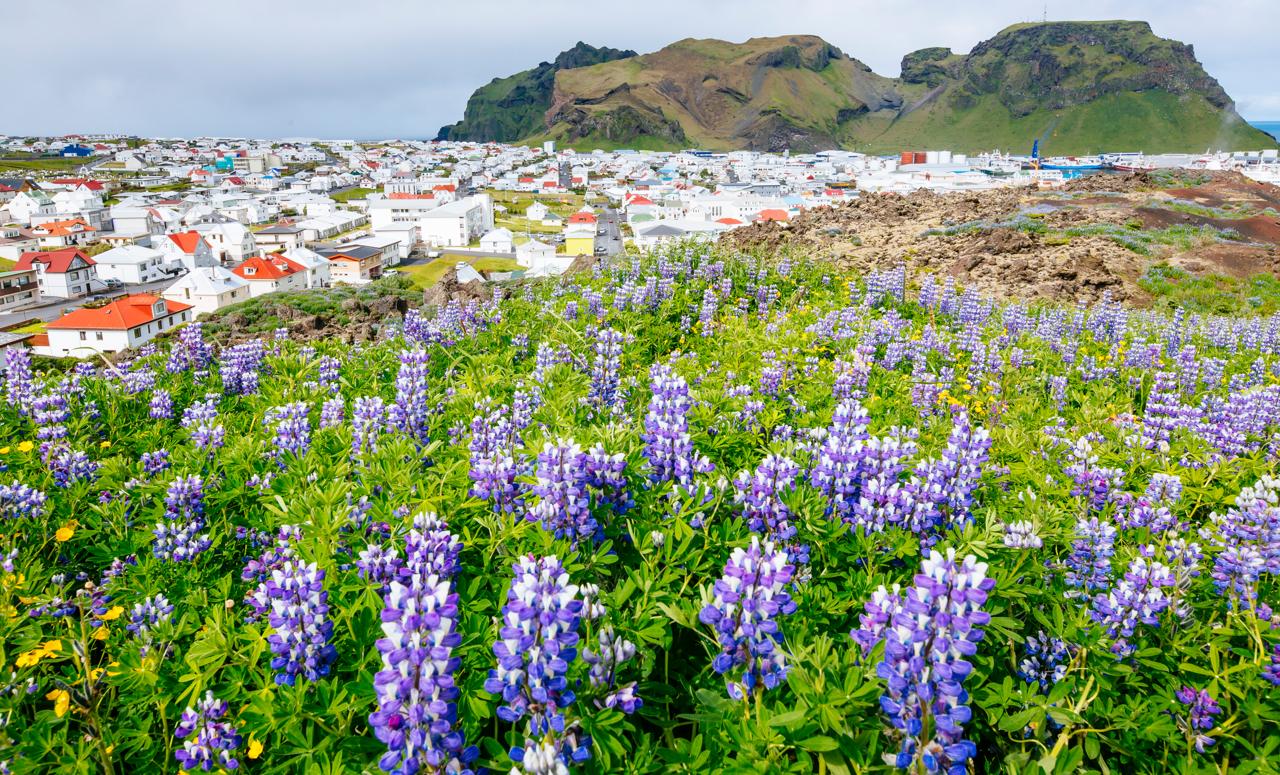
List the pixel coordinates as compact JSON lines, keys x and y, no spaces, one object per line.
{"x":1045,"y":19}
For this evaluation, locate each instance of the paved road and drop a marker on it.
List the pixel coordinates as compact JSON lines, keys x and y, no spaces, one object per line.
{"x":52,"y":309}
{"x":611,"y":235}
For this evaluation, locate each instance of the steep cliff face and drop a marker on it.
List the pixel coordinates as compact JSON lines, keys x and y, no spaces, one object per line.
{"x":511,"y":108}
{"x":1078,"y":87}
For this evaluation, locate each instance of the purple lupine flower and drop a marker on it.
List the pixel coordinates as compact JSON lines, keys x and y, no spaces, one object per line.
{"x":332,"y":412}
{"x":328,"y":374}
{"x":19,"y":383}
{"x":161,"y":406}
{"x":605,"y":394}
{"x":69,"y":466}
{"x":883,"y":499}
{"x":146,"y":616}
{"x":1089,"y":566}
{"x":1045,"y":660}
{"x":760,"y":495}
{"x":837,"y":468}
{"x":379,"y":564}
{"x":1201,"y":710}
{"x":1138,"y":598}
{"x":292,"y":431}
{"x":155,"y":462}
{"x":50,"y":413}
{"x":240,"y":366}
{"x":562,"y":503}
{"x":208,"y":741}
{"x":178,"y":538}
{"x":929,"y":631}
{"x":537,"y":643}
{"x":707,"y":314}
{"x":944,"y":487}
{"x":417,"y":696}
{"x":190,"y":351}
{"x":278,"y":550}
{"x":744,"y":611}
{"x":18,"y":500}
{"x":368,"y":422}
{"x":613,"y":652}
{"x":1022,"y":535}
{"x":495,"y":461}
{"x":411,"y":412}
{"x":201,"y":419}
{"x":607,"y":480}
{"x":1248,"y":539}
{"x":1163,"y":411}
{"x":668,"y":447}
{"x":1271,"y":672}
{"x":299,"y":618}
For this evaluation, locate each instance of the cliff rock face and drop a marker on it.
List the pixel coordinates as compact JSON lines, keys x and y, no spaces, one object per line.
{"x":1078,"y":87}
{"x":511,"y":108}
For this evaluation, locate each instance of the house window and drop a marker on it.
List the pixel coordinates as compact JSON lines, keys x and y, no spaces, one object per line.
{"x":137,"y":331}
{"x":98,"y":334}
{"x":83,"y":336}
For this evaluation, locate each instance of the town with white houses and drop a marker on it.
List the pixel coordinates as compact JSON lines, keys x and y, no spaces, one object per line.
{"x":107,"y":241}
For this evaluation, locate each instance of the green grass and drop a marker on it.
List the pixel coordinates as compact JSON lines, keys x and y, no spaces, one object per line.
{"x":38,"y":327}
{"x":324,"y":302}
{"x":353,"y":193}
{"x":428,"y":274}
{"x":1213,"y":294}
{"x":42,"y":163}
{"x":1229,"y":211}
{"x":6,"y":264}
{"x":1131,"y":235}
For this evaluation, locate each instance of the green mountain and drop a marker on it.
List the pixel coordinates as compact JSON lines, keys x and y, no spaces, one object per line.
{"x":1078,"y":87}
{"x":511,"y":108}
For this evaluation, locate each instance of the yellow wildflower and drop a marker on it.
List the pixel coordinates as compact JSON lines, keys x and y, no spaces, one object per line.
{"x":4,"y":450}
{"x":26,"y":446}
{"x":61,"y":701}
{"x":65,"y":532}
{"x":113,"y":614}
{"x":255,"y":747}
{"x":101,"y":633}
{"x":105,"y":445}
{"x":33,"y":657}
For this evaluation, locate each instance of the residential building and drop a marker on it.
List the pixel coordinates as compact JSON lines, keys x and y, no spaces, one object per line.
{"x":580,"y":239}
{"x":355,"y":265}
{"x":315,"y":265}
{"x":31,"y":204}
{"x":281,"y":236}
{"x":457,"y":223}
{"x":60,"y":234}
{"x":185,"y":249}
{"x":18,"y":288}
{"x":131,"y":264}
{"x":230,"y":241}
{"x":208,"y":289}
{"x":120,"y":325}
{"x":64,"y":274}
{"x":268,"y":274}
{"x":498,"y":240}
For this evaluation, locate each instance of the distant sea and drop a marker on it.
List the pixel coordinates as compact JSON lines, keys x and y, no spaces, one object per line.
{"x":1270,"y":127}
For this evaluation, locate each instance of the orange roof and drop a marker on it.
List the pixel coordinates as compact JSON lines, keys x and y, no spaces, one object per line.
{"x":57,"y":261}
{"x":581,"y":217}
{"x":119,"y":315}
{"x":63,"y":228}
{"x":273,"y":267}
{"x":411,"y":196}
{"x":187,"y":241}
{"x":773,"y":215}
{"x":729,"y":221}
{"x":449,"y":187}
{"x":639,"y":201}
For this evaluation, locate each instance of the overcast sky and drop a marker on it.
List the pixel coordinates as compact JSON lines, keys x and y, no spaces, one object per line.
{"x":402,"y":68}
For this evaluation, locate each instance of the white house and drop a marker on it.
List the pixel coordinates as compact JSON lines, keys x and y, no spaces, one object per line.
{"x":458,"y":223}
{"x":123,"y":324}
{"x":18,"y":288}
{"x":315,"y":265}
{"x":230,"y":241}
{"x":268,"y":274}
{"x":498,"y":240}
{"x":536,"y":211}
{"x":187,"y":249}
{"x":208,"y":289}
{"x":541,"y":259}
{"x":131,"y":264}
{"x":66,"y":274}
{"x":26,"y":205}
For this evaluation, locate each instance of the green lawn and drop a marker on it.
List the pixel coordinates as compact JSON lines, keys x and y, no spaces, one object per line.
{"x":6,"y":264}
{"x":353,"y":193}
{"x":517,"y":202}
{"x":31,"y":328}
{"x":42,"y":163}
{"x":427,"y":275}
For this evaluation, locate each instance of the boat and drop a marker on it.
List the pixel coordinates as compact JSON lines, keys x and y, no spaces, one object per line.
{"x":1072,"y":163}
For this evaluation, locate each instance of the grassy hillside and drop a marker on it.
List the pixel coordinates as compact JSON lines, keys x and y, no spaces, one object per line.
{"x":1080,"y":87}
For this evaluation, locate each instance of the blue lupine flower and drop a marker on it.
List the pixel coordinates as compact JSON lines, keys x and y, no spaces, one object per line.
{"x":292,"y":431}
{"x":760,"y":495}
{"x":208,"y":741}
{"x":537,"y":644}
{"x":1089,"y":566}
{"x":411,"y":412}
{"x":747,"y":602}
{"x":1138,"y":598}
{"x":1201,"y":710}
{"x":668,"y":447}
{"x":161,"y":406}
{"x":18,"y":500}
{"x":178,"y":538}
{"x":299,"y":617}
{"x":928,"y":631}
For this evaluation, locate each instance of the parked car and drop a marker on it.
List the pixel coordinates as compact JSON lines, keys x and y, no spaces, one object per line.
{"x":113,"y":284}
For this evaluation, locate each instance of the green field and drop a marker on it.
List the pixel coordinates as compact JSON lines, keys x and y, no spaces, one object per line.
{"x":428,"y":274}
{"x":42,"y":163}
{"x":353,"y":193}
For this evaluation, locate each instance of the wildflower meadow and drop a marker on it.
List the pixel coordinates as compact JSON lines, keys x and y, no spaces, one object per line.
{"x":688,"y":513}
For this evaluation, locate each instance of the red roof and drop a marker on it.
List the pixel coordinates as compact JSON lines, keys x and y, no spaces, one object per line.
{"x":581,"y":217}
{"x":273,"y":267}
{"x":549,"y":184}
{"x":526,"y":180}
{"x":449,"y":187}
{"x":62,"y":228}
{"x":56,"y":261}
{"x":729,"y":221}
{"x":639,"y":201}
{"x":188,"y":241}
{"x":773,"y":215}
{"x":119,"y":315}
{"x":92,"y":185}
{"x":411,"y":196}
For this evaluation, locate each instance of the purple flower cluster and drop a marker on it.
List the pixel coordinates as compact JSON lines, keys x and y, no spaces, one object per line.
{"x":292,"y":431}
{"x":569,"y":485}
{"x":1089,"y":566}
{"x":161,"y":406}
{"x":1138,"y":598}
{"x":943,"y":488}
{"x":417,"y":696}
{"x":146,"y":616}
{"x":208,"y":741}
{"x":411,"y":412}
{"x":201,"y":419}
{"x":928,"y":632}
{"x":537,"y":643}
{"x":668,"y":446}
{"x":155,"y":462}
{"x":1201,"y":710}
{"x":1247,"y":537}
{"x":17,"y":500}
{"x":332,"y":412}
{"x":299,"y":618}
{"x":613,"y":652}
{"x":240,"y":366}
{"x":19,"y":383}
{"x":178,"y":538}
{"x":69,"y":466}
{"x":368,"y":422}
{"x":190,"y":351}
{"x":837,"y":468}
{"x":605,"y":394}
{"x":1045,"y":660}
{"x":760,"y":495}
{"x":495,"y":462}
{"x":744,"y":611}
